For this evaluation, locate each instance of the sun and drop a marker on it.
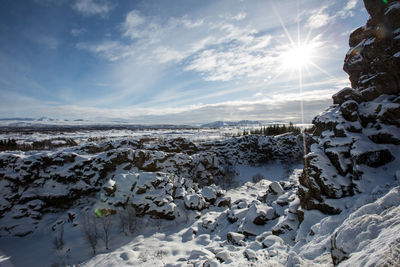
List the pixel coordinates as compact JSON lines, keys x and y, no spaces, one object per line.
{"x":298,"y":56}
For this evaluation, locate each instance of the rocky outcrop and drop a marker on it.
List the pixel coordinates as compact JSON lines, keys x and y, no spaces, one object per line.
{"x":127,"y":172}
{"x":361,"y":130}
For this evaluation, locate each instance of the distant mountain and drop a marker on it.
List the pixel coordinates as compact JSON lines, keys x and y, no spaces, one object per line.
{"x":17,"y":119}
{"x":217,"y":124}
{"x":43,"y":119}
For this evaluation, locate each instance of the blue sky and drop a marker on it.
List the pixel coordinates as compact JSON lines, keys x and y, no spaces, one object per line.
{"x":173,"y":61}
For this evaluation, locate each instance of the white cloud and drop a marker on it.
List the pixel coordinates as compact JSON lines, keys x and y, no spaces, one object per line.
{"x":132,"y":21}
{"x":187,"y":22}
{"x":347,"y":11}
{"x":48,"y":41}
{"x":92,"y":7}
{"x":237,"y":62}
{"x":78,"y":31}
{"x":240,"y":16}
{"x":218,"y":48}
{"x":351,"y":4}
{"x":319,"y":20}
{"x":111,"y":50}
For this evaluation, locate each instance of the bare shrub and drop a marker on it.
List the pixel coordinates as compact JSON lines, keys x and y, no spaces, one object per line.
{"x":89,"y":228}
{"x":227,"y":179}
{"x":58,"y":241}
{"x":106,"y":222}
{"x":128,"y":219}
{"x":144,"y":255}
{"x":160,"y":254}
{"x":257,"y":177}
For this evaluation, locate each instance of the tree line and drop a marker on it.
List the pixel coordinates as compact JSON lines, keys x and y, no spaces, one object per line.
{"x":274,"y":129}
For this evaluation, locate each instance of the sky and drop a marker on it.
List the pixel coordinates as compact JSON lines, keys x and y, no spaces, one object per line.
{"x":173,"y":61}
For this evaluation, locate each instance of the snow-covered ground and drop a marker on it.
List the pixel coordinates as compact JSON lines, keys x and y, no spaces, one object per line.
{"x":49,"y":196}
{"x":82,"y":136}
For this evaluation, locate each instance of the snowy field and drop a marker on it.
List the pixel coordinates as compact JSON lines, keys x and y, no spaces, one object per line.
{"x":82,"y":136}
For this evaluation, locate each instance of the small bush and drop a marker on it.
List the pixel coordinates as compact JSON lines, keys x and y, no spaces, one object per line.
{"x":58,"y":241}
{"x":128,"y":219}
{"x":90,"y":232}
{"x":227,"y":179}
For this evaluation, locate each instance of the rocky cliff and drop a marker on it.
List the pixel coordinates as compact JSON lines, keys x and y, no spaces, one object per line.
{"x":358,"y":138}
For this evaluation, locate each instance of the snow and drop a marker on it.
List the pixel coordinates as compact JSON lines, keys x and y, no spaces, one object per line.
{"x":395,"y":5}
{"x":252,"y":222}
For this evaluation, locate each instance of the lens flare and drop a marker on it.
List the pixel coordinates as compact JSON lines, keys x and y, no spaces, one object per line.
{"x":297,"y":56}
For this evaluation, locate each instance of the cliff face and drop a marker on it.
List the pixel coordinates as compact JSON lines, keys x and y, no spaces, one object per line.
{"x":358,"y":138}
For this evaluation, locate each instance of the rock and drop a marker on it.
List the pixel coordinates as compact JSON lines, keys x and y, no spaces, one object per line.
{"x":374,"y":158}
{"x":109,"y":187}
{"x":392,"y":16}
{"x":272,"y":240}
{"x":235,"y":238}
{"x":250,"y":254}
{"x":200,"y":254}
{"x":346,"y":94}
{"x":211,"y":263}
{"x":240,"y":204}
{"x":223,"y":256}
{"x":223,"y":202}
{"x":232,"y":216}
{"x":283,"y":200}
{"x":276,"y":188}
{"x":349,"y":110}
{"x":209,"y":223}
{"x":261,"y":213}
{"x":356,"y":37}
{"x":375,"y":9}
{"x":195,"y":202}
{"x":209,"y":193}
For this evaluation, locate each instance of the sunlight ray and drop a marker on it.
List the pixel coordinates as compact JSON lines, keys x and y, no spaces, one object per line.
{"x":282,"y":24}
{"x":321,"y":69}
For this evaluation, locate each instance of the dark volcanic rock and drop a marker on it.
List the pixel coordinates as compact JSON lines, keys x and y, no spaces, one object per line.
{"x":362,"y":129}
{"x":374,"y":158}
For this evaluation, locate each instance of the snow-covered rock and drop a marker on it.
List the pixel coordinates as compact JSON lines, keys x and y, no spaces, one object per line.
{"x":276,"y":188}
{"x":374,"y":230}
{"x":236,"y":238}
{"x":360,"y":132}
{"x":195,"y":202}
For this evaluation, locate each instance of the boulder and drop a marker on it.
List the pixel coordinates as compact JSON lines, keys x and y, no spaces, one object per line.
{"x":195,"y":202}
{"x":346,"y":94}
{"x":236,"y":238}
{"x":275,"y":188}
{"x":261,"y":213}
{"x":374,"y":158}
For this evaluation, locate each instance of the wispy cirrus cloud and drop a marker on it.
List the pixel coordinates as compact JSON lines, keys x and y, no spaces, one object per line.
{"x":347,"y":11}
{"x":319,"y":20}
{"x":77,"y":31}
{"x":93,"y":7}
{"x":217,"y":48}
